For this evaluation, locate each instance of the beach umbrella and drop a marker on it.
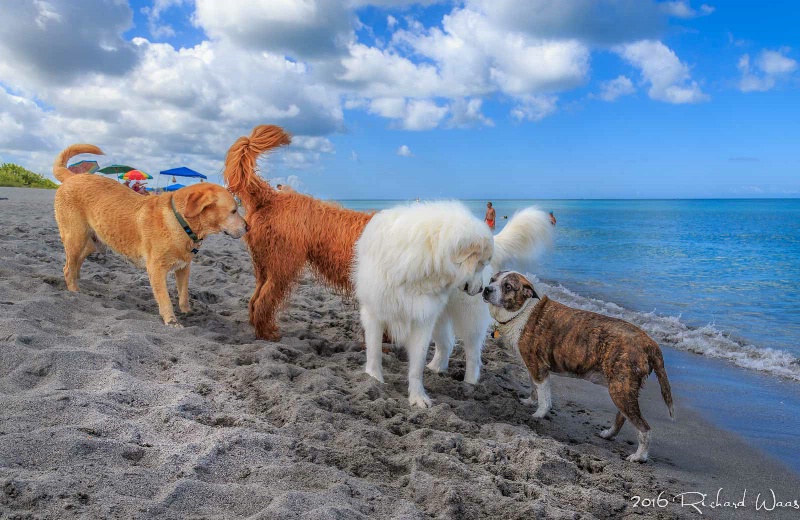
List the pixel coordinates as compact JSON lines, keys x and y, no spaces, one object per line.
{"x":135,"y":175}
{"x":115,"y":168}
{"x":174,"y":187}
{"x":84,"y":167}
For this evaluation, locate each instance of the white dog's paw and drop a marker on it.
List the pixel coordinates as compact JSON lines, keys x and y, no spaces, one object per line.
{"x":540,"y":412}
{"x":420,"y":400}
{"x":636,"y":457}
{"x":437,"y":366}
{"x":528,"y":401}
{"x":375,"y":374}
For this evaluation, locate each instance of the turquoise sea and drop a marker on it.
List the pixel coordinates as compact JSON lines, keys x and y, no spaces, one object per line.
{"x":715,"y":282}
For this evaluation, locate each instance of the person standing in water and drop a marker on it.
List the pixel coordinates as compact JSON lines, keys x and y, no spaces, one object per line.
{"x":490,"y":216}
{"x":552,"y":219}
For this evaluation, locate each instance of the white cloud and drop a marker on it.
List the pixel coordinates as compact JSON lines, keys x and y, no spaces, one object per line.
{"x":40,"y":45}
{"x":682,"y":9}
{"x":615,"y":88}
{"x":307,"y":29}
{"x":157,"y":28}
{"x":391,"y":21}
{"x":534,"y":108}
{"x":669,"y":78}
{"x":414,"y":114}
{"x":769,"y":68}
{"x":466,"y":113}
{"x":404,"y":151}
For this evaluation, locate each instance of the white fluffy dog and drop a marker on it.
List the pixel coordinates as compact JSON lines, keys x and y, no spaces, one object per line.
{"x":418,"y":269}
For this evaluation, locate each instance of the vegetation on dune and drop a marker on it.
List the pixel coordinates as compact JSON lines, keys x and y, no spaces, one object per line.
{"x":15,"y":176}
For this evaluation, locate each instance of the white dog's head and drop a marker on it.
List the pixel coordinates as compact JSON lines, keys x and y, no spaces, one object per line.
{"x":470,"y":260}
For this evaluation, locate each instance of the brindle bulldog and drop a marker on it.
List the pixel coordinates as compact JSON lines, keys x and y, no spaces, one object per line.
{"x":551,"y":337}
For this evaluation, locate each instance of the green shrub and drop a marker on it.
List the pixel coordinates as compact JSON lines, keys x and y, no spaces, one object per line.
{"x":16,"y":176}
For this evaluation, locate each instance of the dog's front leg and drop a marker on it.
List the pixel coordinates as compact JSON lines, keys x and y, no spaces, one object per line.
{"x":417,"y":346}
{"x":182,"y":281}
{"x":373,"y":334}
{"x":545,"y":397}
{"x":158,"y":281}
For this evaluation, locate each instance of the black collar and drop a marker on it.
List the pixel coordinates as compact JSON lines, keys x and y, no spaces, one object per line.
{"x":185,"y":225}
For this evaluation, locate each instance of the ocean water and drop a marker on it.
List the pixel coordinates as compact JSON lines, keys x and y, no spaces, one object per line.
{"x":714,"y":277}
{"x":717,"y":281}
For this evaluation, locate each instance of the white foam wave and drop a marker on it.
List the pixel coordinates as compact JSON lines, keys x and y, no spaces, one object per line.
{"x":671,"y":331}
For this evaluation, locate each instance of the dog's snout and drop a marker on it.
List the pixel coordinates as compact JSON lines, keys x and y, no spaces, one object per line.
{"x":466,"y":287}
{"x":487,"y":291}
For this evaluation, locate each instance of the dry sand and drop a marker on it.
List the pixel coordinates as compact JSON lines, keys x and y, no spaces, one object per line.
{"x":106,"y":413}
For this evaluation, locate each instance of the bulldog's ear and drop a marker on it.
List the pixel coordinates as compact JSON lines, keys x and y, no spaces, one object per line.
{"x":529,"y":292}
{"x":197,"y":201}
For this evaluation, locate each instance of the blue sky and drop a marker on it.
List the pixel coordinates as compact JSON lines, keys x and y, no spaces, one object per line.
{"x":397,"y":99}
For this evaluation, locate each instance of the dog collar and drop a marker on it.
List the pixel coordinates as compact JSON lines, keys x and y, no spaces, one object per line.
{"x":197,"y":242}
{"x":512,"y":318}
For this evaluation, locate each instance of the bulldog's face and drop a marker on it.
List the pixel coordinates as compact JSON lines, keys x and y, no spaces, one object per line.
{"x":509,"y":290}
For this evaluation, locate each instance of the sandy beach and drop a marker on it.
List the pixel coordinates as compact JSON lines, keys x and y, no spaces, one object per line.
{"x":106,"y":413}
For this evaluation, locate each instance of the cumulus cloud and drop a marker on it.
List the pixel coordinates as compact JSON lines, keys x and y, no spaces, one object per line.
{"x":404,"y":151}
{"x":67,"y":73}
{"x":765,"y":71}
{"x":308,"y":29}
{"x":43,"y":43}
{"x":615,"y":88}
{"x":668,"y":76}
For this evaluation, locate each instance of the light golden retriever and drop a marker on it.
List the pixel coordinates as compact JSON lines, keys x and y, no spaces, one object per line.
{"x":160,"y":233}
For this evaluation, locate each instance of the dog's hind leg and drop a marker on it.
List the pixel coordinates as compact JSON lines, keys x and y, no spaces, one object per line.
{"x":417,"y":345}
{"x":268,"y":300}
{"x":88,"y":249}
{"x":614,"y":430}
{"x":75,"y":247}
{"x":445,"y":339}
{"x":625,"y":395}
{"x":373,"y":336}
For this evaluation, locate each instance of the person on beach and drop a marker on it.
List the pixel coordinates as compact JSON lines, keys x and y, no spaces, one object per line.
{"x":552,"y":219}
{"x":490,"y":216}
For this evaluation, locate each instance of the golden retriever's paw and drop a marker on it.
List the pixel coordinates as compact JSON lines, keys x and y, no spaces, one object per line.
{"x":173,"y":323}
{"x":420,"y":401}
{"x":187,"y":309}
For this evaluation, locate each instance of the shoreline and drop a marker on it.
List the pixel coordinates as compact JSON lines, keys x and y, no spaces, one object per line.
{"x":106,"y":412}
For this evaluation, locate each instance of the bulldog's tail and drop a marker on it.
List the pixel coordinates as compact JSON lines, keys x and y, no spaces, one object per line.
{"x":240,"y":164}
{"x":657,"y":363}
{"x":522,"y":239}
{"x":60,"y":170}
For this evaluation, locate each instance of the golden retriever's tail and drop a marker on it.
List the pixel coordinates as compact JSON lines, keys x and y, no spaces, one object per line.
{"x":60,"y":170}
{"x":240,"y":163}
{"x":656,"y":360}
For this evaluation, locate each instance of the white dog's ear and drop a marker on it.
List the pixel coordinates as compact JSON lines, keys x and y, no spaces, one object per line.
{"x":477,"y":249}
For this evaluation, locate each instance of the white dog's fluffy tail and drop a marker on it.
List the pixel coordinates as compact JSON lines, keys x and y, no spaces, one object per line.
{"x":525,"y":236}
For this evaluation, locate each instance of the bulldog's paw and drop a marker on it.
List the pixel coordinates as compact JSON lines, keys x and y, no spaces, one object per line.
{"x":637,"y":457}
{"x":528,"y":401}
{"x":607,"y":434}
